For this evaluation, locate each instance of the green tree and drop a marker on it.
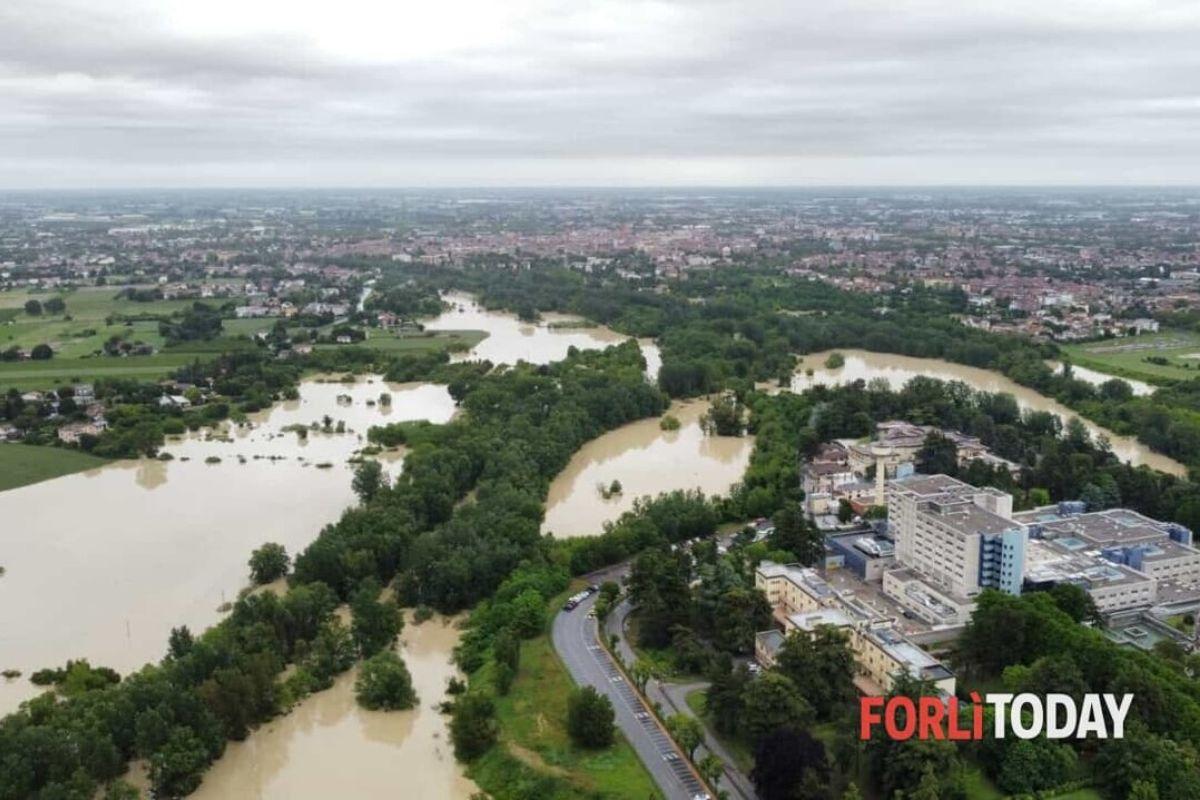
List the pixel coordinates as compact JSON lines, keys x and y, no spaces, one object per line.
{"x":1143,"y":790}
{"x":268,"y":563}
{"x":796,"y":536}
{"x":740,"y":614}
{"x":641,"y":672}
{"x":473,"y":727}
{"x":54,"y":305}
{"x":771,"y":702}
{"x":369,"y":479}
{"x":176,"y":768}
{"x":41,"y":352}
{"x":724,"y":699}
{"x":374,"y":624}
{"x":711,"y":769}
{"x":33,"y":308}
{"x":822,"y":667}
{"x":687,"y":732}
{"x":783,"y":758}
{"x":590,"y":718}
{"x":937,"y":456}
{"x":384,"y":683}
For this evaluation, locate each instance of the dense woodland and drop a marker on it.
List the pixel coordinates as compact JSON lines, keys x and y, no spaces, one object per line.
{"x":460,"y":529}
{"x":731,"y":327}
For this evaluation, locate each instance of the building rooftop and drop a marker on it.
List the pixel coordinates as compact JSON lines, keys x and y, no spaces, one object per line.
{"x":916,"y":661}
{"x":1053,"y":561}
{"x":811,"y":620}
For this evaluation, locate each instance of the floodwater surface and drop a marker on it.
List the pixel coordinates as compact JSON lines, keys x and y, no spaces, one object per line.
{"x":898,"y":370}
{"x":510,"y":340}
{"x":102,"y":564}
{"x":647,"y":461}
{"x":330,"y":747}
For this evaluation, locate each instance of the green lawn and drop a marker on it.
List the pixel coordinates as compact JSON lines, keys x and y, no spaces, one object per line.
{"x":21,"y":465}
{"x":87,"y":328}
{"x":534,"y":748}
{"x":28,"y":375}
{"x":414,"y":342}
{"x":1126,"y":357}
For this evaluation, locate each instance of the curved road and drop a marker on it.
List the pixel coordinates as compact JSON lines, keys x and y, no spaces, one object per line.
{"x":574,"y":636}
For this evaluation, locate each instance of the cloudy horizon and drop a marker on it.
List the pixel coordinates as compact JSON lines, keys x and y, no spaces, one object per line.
{"x":266,"y":93}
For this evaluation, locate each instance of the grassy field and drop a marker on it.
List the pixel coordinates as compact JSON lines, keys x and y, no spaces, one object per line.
{"x":1127,"y":357}
{"x":28,"y":375}
{"x":79,"y":333}
{"x":416,"y":342}
{"x":21,"y":465}
{"x":86,"y":330}
{"x":535,"y":750}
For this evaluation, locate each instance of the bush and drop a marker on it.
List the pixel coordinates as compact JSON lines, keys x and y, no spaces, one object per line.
{"x":268,"y":563}
{"x":473,"y":725}
{"x":590,"y":718}
{"x":384,"y":683}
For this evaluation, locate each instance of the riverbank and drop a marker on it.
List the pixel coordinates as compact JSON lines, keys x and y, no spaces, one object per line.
{"x":897,"y":370}
{"x":646,"y":460}
{"x":180,"y":530}
{"x":330,"y":746}
{"x":534,"y":745}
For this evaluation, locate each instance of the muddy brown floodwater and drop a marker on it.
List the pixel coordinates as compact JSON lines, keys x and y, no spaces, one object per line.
{"x":510,"y":340}
{"x":102,"y":564}
{"x":647,"y":461}
{"x":328,"y":747}
{"x":898,"y":370}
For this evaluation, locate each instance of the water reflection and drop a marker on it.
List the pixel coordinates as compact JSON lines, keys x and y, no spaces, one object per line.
{"x":329,"y":747}
{"x":102,"y":564}
{"x":647,"y":461}
{"x":510,"y":340}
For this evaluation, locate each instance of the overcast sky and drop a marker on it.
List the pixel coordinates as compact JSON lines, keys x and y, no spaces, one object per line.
{"x":116,"y":93}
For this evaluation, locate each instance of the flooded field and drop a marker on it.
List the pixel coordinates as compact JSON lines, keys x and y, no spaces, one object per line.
{"x":510,"y":340}
{"x":102,"y":564}
{"x":647,"y":461}
{"x":330,"y":747}
{"x":1140,"y":388}
{"x":898,"y":370}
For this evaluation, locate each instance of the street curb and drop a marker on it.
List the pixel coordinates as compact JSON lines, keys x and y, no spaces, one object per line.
{"x":649,"y":707}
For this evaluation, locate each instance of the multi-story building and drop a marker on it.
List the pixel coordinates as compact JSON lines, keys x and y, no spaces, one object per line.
{"x":804,"y":602}
{"x":954,"y":540}
{"x":959,"y":538}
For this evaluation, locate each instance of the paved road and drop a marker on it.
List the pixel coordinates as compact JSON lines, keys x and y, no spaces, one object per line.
{"x":574,"y":636}
{"x":671,"y":698}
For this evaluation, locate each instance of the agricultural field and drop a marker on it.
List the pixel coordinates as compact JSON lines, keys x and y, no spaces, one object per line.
{"x":418,"y":341}
{"x":1175,"y":354}
{"x":82,"y":329}
{"x":21,"y":464}
{"x":43,"y":375}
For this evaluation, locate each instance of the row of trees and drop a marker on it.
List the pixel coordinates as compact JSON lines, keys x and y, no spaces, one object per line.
{"x":518,"y":430}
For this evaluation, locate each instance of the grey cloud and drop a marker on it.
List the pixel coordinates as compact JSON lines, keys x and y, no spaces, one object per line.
{"x":746,"y":91}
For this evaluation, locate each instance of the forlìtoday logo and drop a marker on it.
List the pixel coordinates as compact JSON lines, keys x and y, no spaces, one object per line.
{"x":1025,"y":716}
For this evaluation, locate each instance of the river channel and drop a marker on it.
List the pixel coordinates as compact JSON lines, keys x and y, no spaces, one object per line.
{"x":330,"y":747}
{"x":102,"y":564}
{"x":646,"y":460}
{"x":510,"y":340}
{"x":898,"y":370}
